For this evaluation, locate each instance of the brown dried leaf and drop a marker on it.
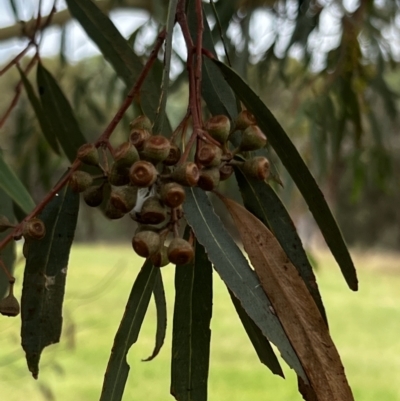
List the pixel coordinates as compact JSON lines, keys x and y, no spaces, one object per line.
{"x":294,"y":307}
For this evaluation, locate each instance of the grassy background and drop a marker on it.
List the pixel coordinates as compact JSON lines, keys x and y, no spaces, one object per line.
{"x":365,"y":327}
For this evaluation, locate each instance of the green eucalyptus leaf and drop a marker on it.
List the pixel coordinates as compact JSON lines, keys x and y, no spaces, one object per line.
{"x":161,"y":307}
{"x":260,"y":343}
{"x":59,"y":113}
{"x":14,"y":188}
{"x":261,"y":200}
{"x":44,"y":123}
{"x":191,"y":332}
{"x":128,"y":332}
{"x":298,"y":170}
{"x":235,"y":271}
{"x":45,"y":277}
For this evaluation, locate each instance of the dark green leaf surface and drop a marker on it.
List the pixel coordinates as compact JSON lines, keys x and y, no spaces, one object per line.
{"x":128,"y":332}
{"x":235,"y":271}
{"x":299,"y":172}
{"x":161,"y":307}
{"x":59,"y":113}
{"x":191,"y":332}
{"x":7,"y":254}
{"x":44,"y":123}
{"x":261,"y":200}
{"x":45,"y":276}
{"x":260,"y":343}
{"x":116,"y":50}
{"x":14,"y":188}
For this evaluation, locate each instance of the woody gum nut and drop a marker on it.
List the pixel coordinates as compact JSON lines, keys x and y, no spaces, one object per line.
{"x":143,"y":174}
{"x":155,"y":149}
{"x":118,"y":176}
{"x":124,"y":198}
{"x":88,"y":154}
{"x":94,"y":196}
{"x":125,"y":155}
{"x":34,"y":229}
{"x":244,"y":119}
{"x":219,"y":127}
{"x":146,"y":243}
{"x":186,"y":174}
{"x":252,"y":139}
{"x":225,"y":172}
{"x":172,"y":194}
{"x":137,"y":137}
{"x":209,"y":155}
{"x":80,"y":181}
{"x":180,"y":252}
{"x":112,"y":212}
{"x":173,"y":156}
{"x":153,"y":212}
{"x":258,"y":167}
{"x":209,"y":178}
{"x":141,"y":122}
{"x":160,"y":259}
{"x":9,"y":306}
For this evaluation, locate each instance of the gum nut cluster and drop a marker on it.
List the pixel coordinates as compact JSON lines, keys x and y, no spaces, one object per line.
{"x":146,"y":180}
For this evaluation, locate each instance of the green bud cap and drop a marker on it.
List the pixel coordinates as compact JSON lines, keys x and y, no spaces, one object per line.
{"x":152,"y":212}
{"x":258,"y":167}
{"x":186,"y":174}
{"x":143,"y":174}
{"x":244,"y":119}
{"x":172,"y":194}
{"x":209,"y":155}
{"x":88,"y":154}
{"x":141,"y":122}
{"x":94,"y":196}
{"x":173,"y":156}
{"x":209,"y":178}
{"x":219,"y":127}
{"x":34,"y":229}
{"x":146,"y":243}
{"x":180,"y":252}
{"x":125,"y":155}
{"x":137,"y":137}
{"x":124,"y":198}
{"x":252,"y":139}
{"x":155,"y":149}
{"x":80,"y":181}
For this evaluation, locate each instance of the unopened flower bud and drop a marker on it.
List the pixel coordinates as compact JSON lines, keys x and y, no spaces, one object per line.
{"x":138,"y":136}
{"x":125,"y":155}
{"x":88,"y":154}
{"x":143,"y":174}
{"x":146,"y":243}
{"x":141,"y":122}
{"x":34,"y":229}
{"x":244,"y":119}
{"x":180,"y":252}
{"x":173,"y":156}
{"x":80,"y":181}
{"x":258,"y":167}
{"x":172,"y":194}
{"x":209,"y":155}
{"x":219,"y":127}
{"x":252,"y":139}
{"x":155,"y":149}
{"x":186,"y":174}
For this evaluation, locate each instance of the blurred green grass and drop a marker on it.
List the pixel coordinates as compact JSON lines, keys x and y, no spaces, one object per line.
{"x":365,"y":327}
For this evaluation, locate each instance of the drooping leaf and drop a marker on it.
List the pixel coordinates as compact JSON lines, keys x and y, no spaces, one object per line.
{"x":260,"y":343}
{"x":234,"y":269}
{"x":116,"y":50}
{"x":128,"y":332}
{"x":7,"y":255}
{"x":293,"y":305}
{"x":45,"y":276}
{"x":59,"y":113}
{"x":191,"y":332}
{"x":299,"y":172}
{"x":261,"y":200}
{"x":161,"y":111}
{"x":161,"y":307}
{"x":14,"y":188}
{"x":44,"y":123}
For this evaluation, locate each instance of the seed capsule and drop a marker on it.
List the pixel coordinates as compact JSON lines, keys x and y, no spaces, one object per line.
{"x":252,"y":139}
{"x":186,"y":174}
{"x":143,"y":174}
{"x":112,"y":212}
{"x":244,"y":119}
{"x":80,"y":181}
{"x":209,"y":178}
{"x":118,"y":176}
{"x":219,"y":127}
{"x":209,"y":155}
{"x":137,"y":137}
{"x":94,"y":196}
{"x":160,"y":259}
{"x":180,"y":252}
{"x":172,"y":194}
{"x":258,"y":167}
{"x":155,"y":149}
{"x":88,"y":154}
{"x":34,"y":229}
{"x":5,"y":224}
{"x":146,"y":243}
{"x":141,"y":122}
{"x":124,"y":198}
{"x":9,"y":306}
{"x":225,"y":172}
{"x":173,"y":156}
{"x":125,"y":155}
{"x":153,"y":211}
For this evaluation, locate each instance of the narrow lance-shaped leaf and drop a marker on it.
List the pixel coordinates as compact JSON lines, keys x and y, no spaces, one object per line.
{"x":45,"y":276}
{"x":298,"y":170}
{"x":260,"y":343}
{"x":261,"y":200}
{"x":14,"y":188}
{"x":117,"y":51}
{"x":59,"y":113}
{"x":128,"y":332}
{"x":161,"y":307}
{"x":44,"y":123}
{"x":191,"y":332}
{"x":235,"y":271}
{"x":293,"y":305}
{"x":7,"y":255}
